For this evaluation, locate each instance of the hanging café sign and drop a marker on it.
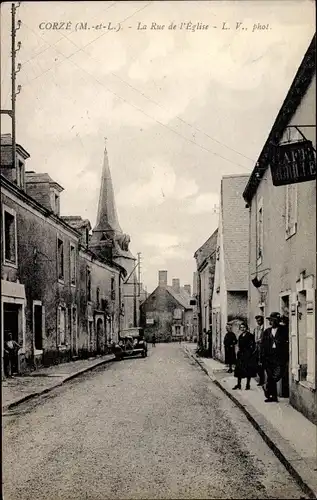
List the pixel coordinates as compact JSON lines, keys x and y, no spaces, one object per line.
{"x":293,"y":162}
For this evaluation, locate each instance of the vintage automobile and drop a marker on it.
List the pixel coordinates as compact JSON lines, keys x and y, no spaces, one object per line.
{"x":131,"y":343}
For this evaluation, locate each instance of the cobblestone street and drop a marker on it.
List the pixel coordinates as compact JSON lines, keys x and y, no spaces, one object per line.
{"x":141,"y":428}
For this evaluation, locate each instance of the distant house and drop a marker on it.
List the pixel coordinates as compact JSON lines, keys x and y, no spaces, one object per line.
{"x":205,"y":258}
{"x":167,"y":312}
{"x":230,"y":294}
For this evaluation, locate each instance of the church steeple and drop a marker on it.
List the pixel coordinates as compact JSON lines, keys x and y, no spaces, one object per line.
{"x":107,"y":217}
{"x":108,"y":239}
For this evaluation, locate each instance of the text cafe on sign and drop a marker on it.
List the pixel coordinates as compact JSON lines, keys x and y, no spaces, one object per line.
{"x":293,"y":162}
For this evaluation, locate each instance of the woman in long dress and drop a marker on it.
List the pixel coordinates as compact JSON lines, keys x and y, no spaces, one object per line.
{"x":230,"y":342}
{"x":246,"y":365}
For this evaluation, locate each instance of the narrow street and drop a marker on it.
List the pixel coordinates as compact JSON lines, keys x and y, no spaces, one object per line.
{"x":141,"y":428}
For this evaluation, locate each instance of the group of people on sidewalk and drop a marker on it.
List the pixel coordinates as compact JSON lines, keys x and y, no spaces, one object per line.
{"x":263,"y":352}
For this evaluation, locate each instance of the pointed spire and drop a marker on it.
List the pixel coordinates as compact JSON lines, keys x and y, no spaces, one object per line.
{"x":107,"y":217}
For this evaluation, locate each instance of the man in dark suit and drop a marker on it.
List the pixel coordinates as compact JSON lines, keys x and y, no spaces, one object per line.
{"x":258,"y":332}
{"x":274,"y":355}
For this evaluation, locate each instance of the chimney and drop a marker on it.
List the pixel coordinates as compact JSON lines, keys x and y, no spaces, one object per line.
{"x":162,"y":278}
{"x":188,"y":289}
{"x":176,"y":285}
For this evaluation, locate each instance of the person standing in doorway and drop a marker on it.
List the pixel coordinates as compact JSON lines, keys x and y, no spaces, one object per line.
{"x":274,"y":355}
{"x":258,"y":333}
{"x":230,"y":342}
{"x":11,"y":349}
{"x":153,"y":340}
{"x":246,"y":357}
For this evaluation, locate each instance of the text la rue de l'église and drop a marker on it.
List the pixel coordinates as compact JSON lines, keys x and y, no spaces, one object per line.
{"x":188,"y":26}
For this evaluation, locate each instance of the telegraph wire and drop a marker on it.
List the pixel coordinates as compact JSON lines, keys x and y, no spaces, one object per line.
{"x":140,"y":110}
{"x":79,"y":49}
{"x":60,"y":39}
{"x":82,"y":49}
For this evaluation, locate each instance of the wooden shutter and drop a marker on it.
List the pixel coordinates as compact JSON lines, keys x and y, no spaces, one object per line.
{"x":310,"y":337}
{"x":294,"y":336}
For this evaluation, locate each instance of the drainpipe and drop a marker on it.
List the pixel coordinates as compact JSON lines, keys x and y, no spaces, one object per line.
{"x":249,"y":280}
{"x":119,"y":310}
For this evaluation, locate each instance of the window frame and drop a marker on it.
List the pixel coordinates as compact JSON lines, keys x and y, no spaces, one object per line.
{"x":62,"y":345}
{"x":259,"y":232}
{"x":88,"y":284}
{"x":73,"y":265}
{"x":12,"y":212}
{"x":34,"y":304}
{"x":60,"y":279}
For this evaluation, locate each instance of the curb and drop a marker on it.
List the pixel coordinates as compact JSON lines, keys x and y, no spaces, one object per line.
{"x":277,"y":452}
{"x":34,"y":395}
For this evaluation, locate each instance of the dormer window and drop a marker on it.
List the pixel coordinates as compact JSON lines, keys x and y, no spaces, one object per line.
{"x":55,"y":202}
{"x":20,"y":173}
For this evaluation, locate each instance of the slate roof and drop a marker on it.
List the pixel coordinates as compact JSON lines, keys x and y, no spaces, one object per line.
{"x":6,"y":150}
{"x":39,"y":178}
{"x":207,"y":249}
{"x":235,"y":229}
{"x":299,"y":87}
{"x":76,"y":221}
{"x":182,"y":297}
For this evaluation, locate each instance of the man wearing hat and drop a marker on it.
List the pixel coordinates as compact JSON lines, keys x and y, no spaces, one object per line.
{"x":258,"y":333}
{"x":274,"y":355}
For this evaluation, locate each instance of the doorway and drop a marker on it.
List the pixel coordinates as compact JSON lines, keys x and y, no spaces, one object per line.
{"x":100,"y":336}
{"x":11,"y":321}
{"x":73,"y":312}
{"x":284,"y":309}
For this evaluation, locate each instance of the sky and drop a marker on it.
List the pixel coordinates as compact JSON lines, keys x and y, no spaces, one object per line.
{"x":180,"y":107}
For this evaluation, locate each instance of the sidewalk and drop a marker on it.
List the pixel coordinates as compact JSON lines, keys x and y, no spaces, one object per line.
{"x":21,"y":388}
{"x":291,"y":436}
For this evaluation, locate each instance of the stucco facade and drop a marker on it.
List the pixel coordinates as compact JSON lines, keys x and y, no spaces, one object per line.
{"x":205,"y":258}
{"x":230,"y":293}
{"x":283,"y":246}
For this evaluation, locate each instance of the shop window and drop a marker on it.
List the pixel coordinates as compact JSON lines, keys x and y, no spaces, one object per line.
{"x":10,"y":236}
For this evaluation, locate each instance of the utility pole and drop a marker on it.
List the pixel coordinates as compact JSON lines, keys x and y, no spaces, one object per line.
{"x":12,"y":112}
{"x":139,"y":274}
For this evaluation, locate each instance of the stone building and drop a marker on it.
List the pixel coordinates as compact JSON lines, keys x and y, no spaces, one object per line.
{"x":100,"y":289}
{"x":230,"y":294}
{"x":58,"y":298}
{"x":108,"y":241}
{"x":167,"y":312}
{"x":281,"y":196}
{"x":205,"y":258}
